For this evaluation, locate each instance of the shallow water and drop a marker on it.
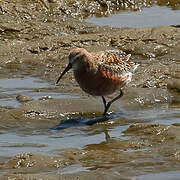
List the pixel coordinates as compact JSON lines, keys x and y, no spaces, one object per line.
{"x":34,"y":87}
{"x":162,"y":176}
{"x":64,"y":135}
{"x":50,"y":135}
{"x":11,"y":87}
{"x":147,"y":17}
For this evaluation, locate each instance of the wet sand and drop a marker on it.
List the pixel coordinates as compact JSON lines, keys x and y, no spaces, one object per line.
{"x":58,"y":132}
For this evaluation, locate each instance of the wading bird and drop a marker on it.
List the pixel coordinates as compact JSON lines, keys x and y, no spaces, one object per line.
{"x":101,"y":73}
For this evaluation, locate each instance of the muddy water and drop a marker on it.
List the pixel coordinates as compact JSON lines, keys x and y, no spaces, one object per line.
{"x":47,"y":137}
{"x":58,"y":132}
{"x":147,"y":17}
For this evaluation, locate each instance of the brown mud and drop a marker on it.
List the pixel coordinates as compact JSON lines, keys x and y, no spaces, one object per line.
{"x":35,"y":39}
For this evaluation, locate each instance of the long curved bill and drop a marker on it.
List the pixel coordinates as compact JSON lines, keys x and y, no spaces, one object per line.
{"x":69,"y":66}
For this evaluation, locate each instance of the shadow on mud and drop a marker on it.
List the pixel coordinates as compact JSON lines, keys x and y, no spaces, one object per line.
{"x":83,"y":121}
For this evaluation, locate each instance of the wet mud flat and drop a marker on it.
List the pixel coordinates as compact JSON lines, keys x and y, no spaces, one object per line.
{"x":58,"y":132}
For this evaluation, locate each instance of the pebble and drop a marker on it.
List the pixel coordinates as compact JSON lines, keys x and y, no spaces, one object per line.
{"x":23,"y":98}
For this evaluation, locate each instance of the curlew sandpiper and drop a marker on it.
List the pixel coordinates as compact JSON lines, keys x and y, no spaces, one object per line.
{"x":101,"y":73}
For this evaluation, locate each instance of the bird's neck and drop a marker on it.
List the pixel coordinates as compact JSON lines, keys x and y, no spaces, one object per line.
{"x":83,"y":64}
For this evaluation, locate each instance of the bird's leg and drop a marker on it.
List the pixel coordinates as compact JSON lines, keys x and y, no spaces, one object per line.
{"x":104,"y":102}
{"x":107,"y":106}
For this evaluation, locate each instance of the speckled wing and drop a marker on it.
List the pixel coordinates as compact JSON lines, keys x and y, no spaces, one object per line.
{"x":115,"y":65}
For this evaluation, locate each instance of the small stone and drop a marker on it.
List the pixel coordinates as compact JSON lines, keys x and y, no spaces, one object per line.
{"x":23,"y":98}
{"x":45,"y":98}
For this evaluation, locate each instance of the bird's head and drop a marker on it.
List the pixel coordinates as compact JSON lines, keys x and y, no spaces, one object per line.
{"x":74,"y":58}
